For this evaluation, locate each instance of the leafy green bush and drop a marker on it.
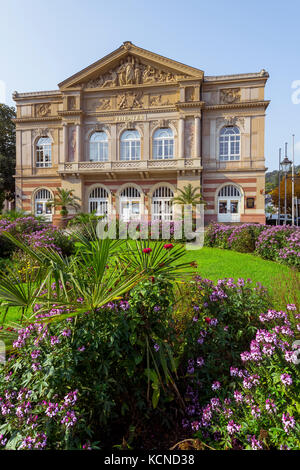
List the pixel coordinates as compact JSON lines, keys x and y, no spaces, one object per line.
{"x":260,"y":407}
{"x":18,"y":227}
{"x":221,"y":320}
{"x":68,"y":382}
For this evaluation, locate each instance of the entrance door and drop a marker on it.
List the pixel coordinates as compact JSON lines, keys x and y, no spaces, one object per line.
{"x":162,"y":207}
{"x":130,"y":204}
{"x":229,"y":201}
{"x":41,"y":204}
{"x":98,"y":202}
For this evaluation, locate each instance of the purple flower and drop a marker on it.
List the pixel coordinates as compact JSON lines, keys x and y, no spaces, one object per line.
{"x":256,"y":444}
{"x":216,"y":385}
{"x":200,"y":361}
{"x":288,"y":422}
{"x":69,"y":419}
{"x":233,"y":427}
{"x":286,"y":379}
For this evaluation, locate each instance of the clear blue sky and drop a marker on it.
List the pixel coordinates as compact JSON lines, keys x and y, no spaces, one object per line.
{"x":43,"y":42}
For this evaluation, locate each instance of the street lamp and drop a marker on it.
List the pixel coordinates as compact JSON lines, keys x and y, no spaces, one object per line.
{"x":286,"y":167}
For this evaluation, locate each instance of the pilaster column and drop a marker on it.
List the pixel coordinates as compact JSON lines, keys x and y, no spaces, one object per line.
{"x":181,"y":138}
{"x":146,"y":141}
{"x":65,"y":142}
{"x":197,"y":150}
{"x":113,"y":142}
{"x":78,"y":143}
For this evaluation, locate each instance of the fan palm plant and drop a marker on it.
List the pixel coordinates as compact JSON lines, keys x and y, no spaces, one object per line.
{"x":100,"y":272}
{"x":65,"y":199}
{"x":188,"y":195}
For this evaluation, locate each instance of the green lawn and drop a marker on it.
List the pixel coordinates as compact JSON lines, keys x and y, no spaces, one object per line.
{"x":215,"y":263}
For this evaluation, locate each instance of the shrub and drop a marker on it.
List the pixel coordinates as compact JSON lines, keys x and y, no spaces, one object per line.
{"x":277,"y":243}
{"x":243,"y":237}
{"x":18,"y":227}
{"x":222,"y":319}
{"x":69,"y":382}
{"x":271,"y":240}
{"x":260,"y":407}
{"x":217,"y":235}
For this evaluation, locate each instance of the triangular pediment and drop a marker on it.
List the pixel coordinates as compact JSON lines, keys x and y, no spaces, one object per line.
{"x":130,"y":65}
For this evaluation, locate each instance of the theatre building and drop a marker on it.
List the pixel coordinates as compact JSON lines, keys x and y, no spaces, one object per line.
{"x":131,"y":129}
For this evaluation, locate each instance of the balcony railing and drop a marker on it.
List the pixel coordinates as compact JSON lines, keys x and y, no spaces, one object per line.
{"x":140,"y":165}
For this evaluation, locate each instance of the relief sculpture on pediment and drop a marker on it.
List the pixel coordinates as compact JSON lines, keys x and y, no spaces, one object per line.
{"x":131,"y":71}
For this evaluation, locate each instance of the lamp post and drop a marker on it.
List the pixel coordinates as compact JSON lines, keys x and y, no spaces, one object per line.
{"x":279,"y":181}
{"x":286,"y":166}
{"x":293,"y":180}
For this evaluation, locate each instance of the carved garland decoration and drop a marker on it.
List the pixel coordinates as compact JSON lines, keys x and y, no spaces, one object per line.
{"x":42,"y":132}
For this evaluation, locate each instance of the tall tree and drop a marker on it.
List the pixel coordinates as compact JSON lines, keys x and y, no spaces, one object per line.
{"x":7,"y":153}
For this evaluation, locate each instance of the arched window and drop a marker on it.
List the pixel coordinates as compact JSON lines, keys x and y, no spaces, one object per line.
{"x":99,"y":147}
{"x":162,"y":207}
{"x":163,"y":144}
{"x":229,"y":144}
{"x":130,"y":203}
{"x":229,"y":204}
{"x":130,"y":145}
{"x":229,"y":191}
{"x":98,"y":201}
{"x":41,"y":207}
{"x":43,"y":152}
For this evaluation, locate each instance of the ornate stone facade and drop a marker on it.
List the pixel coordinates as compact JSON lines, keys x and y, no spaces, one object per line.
{"x":132,"y":89}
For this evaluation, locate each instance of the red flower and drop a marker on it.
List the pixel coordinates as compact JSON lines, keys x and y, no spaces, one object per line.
{"x":147,"y":250}
{"x":168,"y":246}
{"x":207,"y":319}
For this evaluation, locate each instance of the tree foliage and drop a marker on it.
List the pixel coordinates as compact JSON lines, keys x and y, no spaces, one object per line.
{"x":275,"y":192}
{"x":7,"y":152}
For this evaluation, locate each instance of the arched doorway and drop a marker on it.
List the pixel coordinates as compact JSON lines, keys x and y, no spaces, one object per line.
{"x":130,"y":204}
{"x":162,"y":207}
{"x":98,"y":201}
{"x":41,"y":207}
{"x":229,"y":204}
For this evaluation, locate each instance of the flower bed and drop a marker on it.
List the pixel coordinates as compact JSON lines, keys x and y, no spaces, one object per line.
{"x":258,"y":406}
{"x":276,"y":243}
{"x":103,"y":358}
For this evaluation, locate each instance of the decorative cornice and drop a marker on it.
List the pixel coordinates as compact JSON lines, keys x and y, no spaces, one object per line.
{"x":36,"y":119}
{"x":73,"y":112}
{"x":135,"y":111}
{"x":240,"y":105}
{"x":35,"y":94}
{"x":190,"y":104}
{"x":263,"y":74}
